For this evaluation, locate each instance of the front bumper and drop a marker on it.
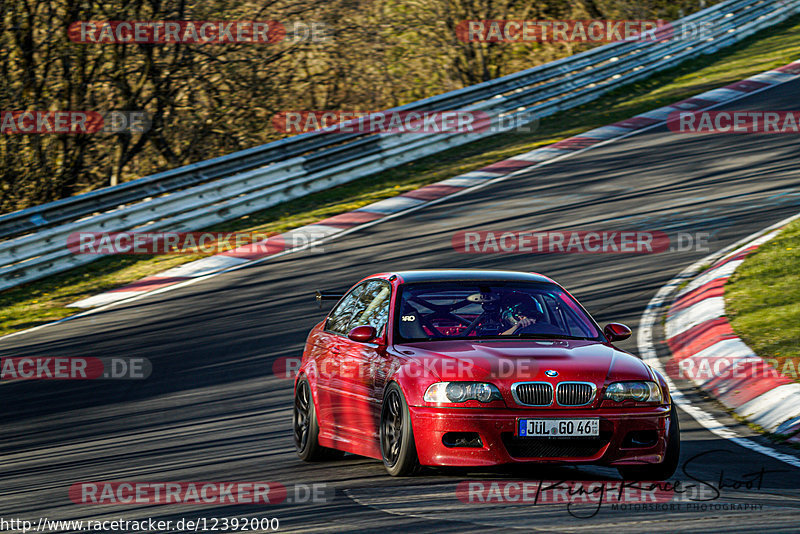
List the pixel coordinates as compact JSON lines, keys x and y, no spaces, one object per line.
{"x":498,"y":444}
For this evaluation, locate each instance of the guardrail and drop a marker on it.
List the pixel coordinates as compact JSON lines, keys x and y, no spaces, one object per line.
{"x":205,"y":193}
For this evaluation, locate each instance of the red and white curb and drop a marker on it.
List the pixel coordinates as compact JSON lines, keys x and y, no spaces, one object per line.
{"x":412,"y":200}
{"x":647,"y":344}
{"x":706,"y":351}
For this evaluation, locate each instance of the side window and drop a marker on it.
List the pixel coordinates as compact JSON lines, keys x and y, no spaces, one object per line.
{"x":343,"y":313}
{"x":376,"y":296}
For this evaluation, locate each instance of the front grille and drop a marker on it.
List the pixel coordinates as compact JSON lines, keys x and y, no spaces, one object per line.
{"x":574,"y":393}
{"x":533,"y":393}
{"x":553,"y":447}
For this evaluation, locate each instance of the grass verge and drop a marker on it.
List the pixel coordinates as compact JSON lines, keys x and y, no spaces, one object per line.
{"x":47,"y":300}
{"x":762,"y":301}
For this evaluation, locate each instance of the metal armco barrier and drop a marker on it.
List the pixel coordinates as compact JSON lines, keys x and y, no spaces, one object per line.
{"x":205,"y":193}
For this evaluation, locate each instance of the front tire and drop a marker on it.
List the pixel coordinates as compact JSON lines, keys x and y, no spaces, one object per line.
{"x":665,"y":469}
{"x":306,"y":427}
{"x":398,"y":449}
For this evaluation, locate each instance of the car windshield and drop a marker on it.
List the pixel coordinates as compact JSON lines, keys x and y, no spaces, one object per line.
{"x":490,"y":310}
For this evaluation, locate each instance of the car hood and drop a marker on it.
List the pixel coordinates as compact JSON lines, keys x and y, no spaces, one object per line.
{"x":505,"y":362}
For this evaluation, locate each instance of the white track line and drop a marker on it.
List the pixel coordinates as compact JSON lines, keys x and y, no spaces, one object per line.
{"x":648,"y":352}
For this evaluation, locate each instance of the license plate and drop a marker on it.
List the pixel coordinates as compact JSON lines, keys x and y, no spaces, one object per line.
{"x":558,"y":428}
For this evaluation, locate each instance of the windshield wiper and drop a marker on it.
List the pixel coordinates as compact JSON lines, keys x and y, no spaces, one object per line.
{"x":548,"y":336}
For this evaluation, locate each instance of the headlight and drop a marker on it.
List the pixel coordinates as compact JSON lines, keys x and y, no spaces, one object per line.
{"x":635,"y":391}
{"x":462,"y":392}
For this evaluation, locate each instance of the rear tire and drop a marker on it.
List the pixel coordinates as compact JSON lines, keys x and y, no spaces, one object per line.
{"x":306,"y":427}
{"x":398,"y":449}
{"x":665,"y":469}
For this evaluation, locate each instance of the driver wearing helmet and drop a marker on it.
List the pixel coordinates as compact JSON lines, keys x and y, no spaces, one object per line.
{"x":522,"y":313}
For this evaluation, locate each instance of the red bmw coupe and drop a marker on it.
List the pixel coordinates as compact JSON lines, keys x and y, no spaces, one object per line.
{"x":478,"y":368}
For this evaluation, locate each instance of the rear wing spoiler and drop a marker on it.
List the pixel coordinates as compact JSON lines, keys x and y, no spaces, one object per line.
{"x":324,"y":295}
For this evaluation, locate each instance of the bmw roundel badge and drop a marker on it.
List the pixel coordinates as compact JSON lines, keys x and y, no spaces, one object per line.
{"x":551,"y":373}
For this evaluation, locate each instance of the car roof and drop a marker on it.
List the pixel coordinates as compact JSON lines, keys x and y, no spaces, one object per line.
{"x":445,"y":275}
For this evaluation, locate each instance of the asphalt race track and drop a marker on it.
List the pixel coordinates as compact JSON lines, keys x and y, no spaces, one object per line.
{"x":213,"y":410}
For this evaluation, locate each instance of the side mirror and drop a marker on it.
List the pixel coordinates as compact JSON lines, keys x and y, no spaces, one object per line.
{"x":616,"y":331}
{"x":363,"y":334}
